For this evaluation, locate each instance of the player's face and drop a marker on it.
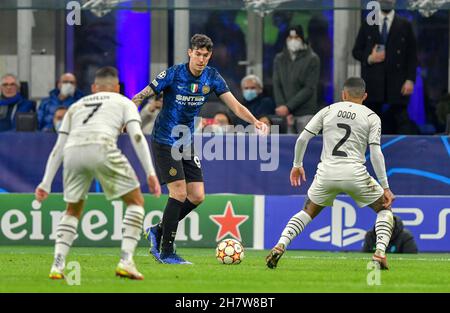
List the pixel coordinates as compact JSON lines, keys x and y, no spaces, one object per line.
{"x":199,"y":58}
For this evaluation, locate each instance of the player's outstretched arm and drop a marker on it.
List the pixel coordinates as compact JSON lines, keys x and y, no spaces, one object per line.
{"x":377,"y":160}
{"x":53,"y":163}
{"x":140,"y":145}
{"x":145,"y":93}
{"x":297,"y":171}
{"x":242,"y":112}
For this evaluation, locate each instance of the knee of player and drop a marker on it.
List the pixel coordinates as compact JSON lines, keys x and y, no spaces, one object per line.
{"x":197,"y":198}
{"x":179,"y":195}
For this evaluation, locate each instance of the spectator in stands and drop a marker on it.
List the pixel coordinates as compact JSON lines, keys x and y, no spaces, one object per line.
{"x":58,"y":117}
{"x":296,"y":72}
{"x":254,"y":100}
{"x":402,"y":241}
{"x":12,"y":102}
{"x":222,"y":119}
{"x":221,"y":123}
{"x":65,"y":95}
{"x":149,"y":113}
{"x":388,"y":56}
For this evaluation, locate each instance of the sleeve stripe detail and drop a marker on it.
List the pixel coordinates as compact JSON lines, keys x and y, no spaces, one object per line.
{"x":153,"y":88}
{"x":63,"y":132}
{"x":374,"y":143}
{"x":133,"y":120}
{"x":218,"y":94}
{"x":371,"y":114}
{"x":310,"y":131}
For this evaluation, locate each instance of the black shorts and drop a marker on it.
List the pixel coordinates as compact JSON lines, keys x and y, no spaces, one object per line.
{"x":169,"y":169}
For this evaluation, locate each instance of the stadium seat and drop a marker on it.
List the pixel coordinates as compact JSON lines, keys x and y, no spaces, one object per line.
{"x":211,"y":108}
{"x":26,"y":121}
{"x":280,"y":121}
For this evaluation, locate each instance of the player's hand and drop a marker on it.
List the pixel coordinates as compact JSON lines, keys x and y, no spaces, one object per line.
{"x":407,"y":88}
{"x":388,"y":198}
{"x":282,"y":110}
{"x":40,"y":194}
{"x":297,"y":175}
{"x":261,"y":128}
{"x":154,"y":186}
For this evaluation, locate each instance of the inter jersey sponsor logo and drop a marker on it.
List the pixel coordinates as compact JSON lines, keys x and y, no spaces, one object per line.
{"x":197,"y":99}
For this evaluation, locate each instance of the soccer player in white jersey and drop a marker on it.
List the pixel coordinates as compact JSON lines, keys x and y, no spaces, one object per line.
{"x":87,"y":144}
{"x":348,"y":128}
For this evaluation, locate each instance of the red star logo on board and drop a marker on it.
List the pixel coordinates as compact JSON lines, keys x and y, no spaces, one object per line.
{"x":228,"y":223}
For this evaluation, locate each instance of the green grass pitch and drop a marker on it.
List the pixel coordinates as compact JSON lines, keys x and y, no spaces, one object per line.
{"x":25,"y":269}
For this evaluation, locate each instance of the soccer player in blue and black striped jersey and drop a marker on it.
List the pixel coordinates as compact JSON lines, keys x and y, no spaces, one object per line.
{"x":186,"y":88}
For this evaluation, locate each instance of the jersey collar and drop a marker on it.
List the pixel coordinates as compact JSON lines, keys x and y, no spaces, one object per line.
{"x":189,"y":71}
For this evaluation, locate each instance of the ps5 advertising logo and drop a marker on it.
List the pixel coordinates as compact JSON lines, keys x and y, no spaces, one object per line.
{"x":342,"y":214}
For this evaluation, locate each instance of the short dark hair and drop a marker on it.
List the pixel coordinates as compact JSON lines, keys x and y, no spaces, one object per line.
{"x":106,"y":72}
{"x":355,"y":86}
{"x":225,"y":114}
{"x":297,"y":29}
{"x":199,"y":41}
{"x":61,"y":107}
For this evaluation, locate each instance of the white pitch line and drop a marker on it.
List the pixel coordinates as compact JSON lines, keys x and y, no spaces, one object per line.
{"x":366,"y":258}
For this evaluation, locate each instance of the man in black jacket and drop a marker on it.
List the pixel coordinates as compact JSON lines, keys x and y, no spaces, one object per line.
{"x":402,"y":241}
{"x":388,"y":57}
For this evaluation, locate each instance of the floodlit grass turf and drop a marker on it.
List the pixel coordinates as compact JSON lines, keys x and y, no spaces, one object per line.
{"x":25,"y":269}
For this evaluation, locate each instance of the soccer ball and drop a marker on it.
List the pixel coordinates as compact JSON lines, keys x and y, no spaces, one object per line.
{"x":229,"y":251}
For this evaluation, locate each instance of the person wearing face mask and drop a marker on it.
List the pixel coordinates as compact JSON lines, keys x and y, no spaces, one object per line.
{"x":296,"y":72}
{"x":254,"y":100}
{"x":388,"y":55}
{"x":64,"y":95}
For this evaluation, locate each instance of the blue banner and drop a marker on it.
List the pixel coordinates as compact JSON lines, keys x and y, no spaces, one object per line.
{"x":343,"y":227}
{"x":416,"y":165}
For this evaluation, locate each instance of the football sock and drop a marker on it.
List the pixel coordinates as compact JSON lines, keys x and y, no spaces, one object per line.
{"x":188,"y":206}
{"x":65,"y":235}
{"x":131,"y":231}
{"x":383,"y":229}
{"x":170,"y":224}
{"x":294,"y":227}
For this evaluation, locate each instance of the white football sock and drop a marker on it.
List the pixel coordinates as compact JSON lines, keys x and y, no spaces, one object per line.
{"x":132,"y":229}
{"x":294,"y":227}
{"x":383,"y":229}
{"x":65,"y":235}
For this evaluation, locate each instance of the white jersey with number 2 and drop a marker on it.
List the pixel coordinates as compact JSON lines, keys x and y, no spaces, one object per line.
{"x":348,"y":128}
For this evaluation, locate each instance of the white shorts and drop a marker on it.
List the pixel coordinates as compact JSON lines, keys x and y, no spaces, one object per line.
{"x":106,"y":163}
{"x":364,"y":190}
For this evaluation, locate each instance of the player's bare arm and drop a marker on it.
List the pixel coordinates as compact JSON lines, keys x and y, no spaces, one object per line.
{"x":145,"y":93}
{"x":242,"y":112}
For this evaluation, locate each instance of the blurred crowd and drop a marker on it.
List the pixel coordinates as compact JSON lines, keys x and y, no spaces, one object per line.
{"x":386,"y":52}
